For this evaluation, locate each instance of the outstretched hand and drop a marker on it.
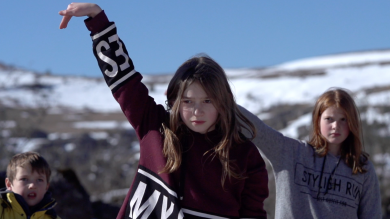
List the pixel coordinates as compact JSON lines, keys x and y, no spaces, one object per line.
{"x":78,"y":10}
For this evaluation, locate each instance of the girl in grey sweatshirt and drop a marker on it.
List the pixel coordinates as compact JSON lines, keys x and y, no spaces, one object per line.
{"x":328,"y":177}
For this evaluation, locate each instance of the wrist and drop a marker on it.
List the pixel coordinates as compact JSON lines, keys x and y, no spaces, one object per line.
{"x":95,"y":10}
{"x":98,"y":23}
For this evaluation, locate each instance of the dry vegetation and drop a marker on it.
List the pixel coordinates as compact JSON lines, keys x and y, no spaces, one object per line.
{"x":104,"y":165}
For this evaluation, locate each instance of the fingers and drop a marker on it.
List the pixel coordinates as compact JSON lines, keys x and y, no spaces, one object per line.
{"x":78,"y":10}
{"x":65,"y":12}
{"x":64,"y":22}
{"x":67,"y":15}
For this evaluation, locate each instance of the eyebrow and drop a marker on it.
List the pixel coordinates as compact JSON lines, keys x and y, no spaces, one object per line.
{"x":194,"y":97}
{"x":40,"y":175}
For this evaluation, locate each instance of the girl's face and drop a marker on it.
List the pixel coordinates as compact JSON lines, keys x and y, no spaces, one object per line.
{"x":197,"y":110}
{"x":334,"y":127}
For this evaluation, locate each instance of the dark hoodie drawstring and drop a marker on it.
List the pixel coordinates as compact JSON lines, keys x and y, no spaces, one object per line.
{"x":322,"y":172}
{"x":183,"y":166}
{"x":183,"y":170}
{"x":330,"y":177}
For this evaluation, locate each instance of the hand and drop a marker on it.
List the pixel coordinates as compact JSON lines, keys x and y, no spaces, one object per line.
{"x":78,"y":10}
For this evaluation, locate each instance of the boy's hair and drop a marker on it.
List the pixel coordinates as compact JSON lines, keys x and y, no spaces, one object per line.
{"x":37,"y":162}
{"x":352,"y":150}
{"x":210,"y":75}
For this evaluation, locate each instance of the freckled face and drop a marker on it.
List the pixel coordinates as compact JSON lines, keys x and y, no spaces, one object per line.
{"x":32,"y":186}
{"x":334,"y":126}
{"x":197,"y":110}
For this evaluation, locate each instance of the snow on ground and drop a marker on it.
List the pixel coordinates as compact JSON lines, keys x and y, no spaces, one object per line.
{"x":102,"y":125}
{"x":383,"y":159}
{"x":372,"y":115}
{"x":254,"y":93}
{"x":263,"y":93}
{"x":292,"y":129}
{"x":55,"y":136}
{"x":331,"y":61}
{"x":74,"y":92}
{"x":26,"y":144}
{"x":380,"y":98}
{"x":7,"y":124}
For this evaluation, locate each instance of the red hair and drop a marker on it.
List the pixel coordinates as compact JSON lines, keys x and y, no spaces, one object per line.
{"x":352,"y":149}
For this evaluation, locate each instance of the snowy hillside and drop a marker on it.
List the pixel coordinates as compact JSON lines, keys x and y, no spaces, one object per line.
{"x":366,"y":74}
{"x":74,"y":122}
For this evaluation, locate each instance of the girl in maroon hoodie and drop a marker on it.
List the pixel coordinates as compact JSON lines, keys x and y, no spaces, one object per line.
{"x":194,"y":162}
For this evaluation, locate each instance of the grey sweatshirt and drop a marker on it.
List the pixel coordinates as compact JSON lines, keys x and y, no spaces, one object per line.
{"x":303,"y":188}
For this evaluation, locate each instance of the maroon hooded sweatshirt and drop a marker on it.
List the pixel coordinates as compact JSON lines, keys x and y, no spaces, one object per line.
{"x":194,"y":191}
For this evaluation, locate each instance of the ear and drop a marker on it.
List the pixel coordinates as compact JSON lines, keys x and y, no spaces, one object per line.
{"x":47,"y":187}
{"x":8,"y":184}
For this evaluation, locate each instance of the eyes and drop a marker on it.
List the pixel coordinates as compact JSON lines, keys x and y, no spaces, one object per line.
{"x":188,"y":101}
{"x":331,"y":119}
{"x":25,"y":179}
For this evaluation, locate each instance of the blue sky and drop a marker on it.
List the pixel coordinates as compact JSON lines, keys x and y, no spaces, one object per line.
{"x":160,"y":35}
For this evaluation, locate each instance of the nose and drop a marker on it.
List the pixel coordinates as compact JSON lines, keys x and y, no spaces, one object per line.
{"x":198,"y":109}
{"x":335,"y":124}
{"x":31,"y":186}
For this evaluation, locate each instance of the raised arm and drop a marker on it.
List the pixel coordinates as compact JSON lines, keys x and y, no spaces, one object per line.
{"x":118,"y":69}
{"x":273,"y":144}
{"x":78,"y":10}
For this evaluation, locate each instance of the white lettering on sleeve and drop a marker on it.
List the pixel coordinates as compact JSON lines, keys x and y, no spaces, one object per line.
{"x":107,"y":59}
{"x":149,"y":205}
{"x":165,"y":214}
{"x":120,"y":51}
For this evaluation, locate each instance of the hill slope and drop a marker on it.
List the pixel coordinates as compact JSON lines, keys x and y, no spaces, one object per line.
{"x":76,"y":123}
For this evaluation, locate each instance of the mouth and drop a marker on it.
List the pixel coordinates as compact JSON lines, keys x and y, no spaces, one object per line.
{"x":32,"y":195}
{"x":335,"y":134}
{"x":198,"y":122}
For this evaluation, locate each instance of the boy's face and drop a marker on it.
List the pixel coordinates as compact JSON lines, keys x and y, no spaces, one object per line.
{"x":32,"y":186}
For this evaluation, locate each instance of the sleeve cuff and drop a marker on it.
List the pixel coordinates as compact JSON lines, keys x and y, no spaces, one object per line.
{"x":97,"y":23}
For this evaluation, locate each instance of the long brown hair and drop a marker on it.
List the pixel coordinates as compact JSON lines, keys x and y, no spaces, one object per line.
{"x":352,"y":149}
{"x":212,"y":78}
